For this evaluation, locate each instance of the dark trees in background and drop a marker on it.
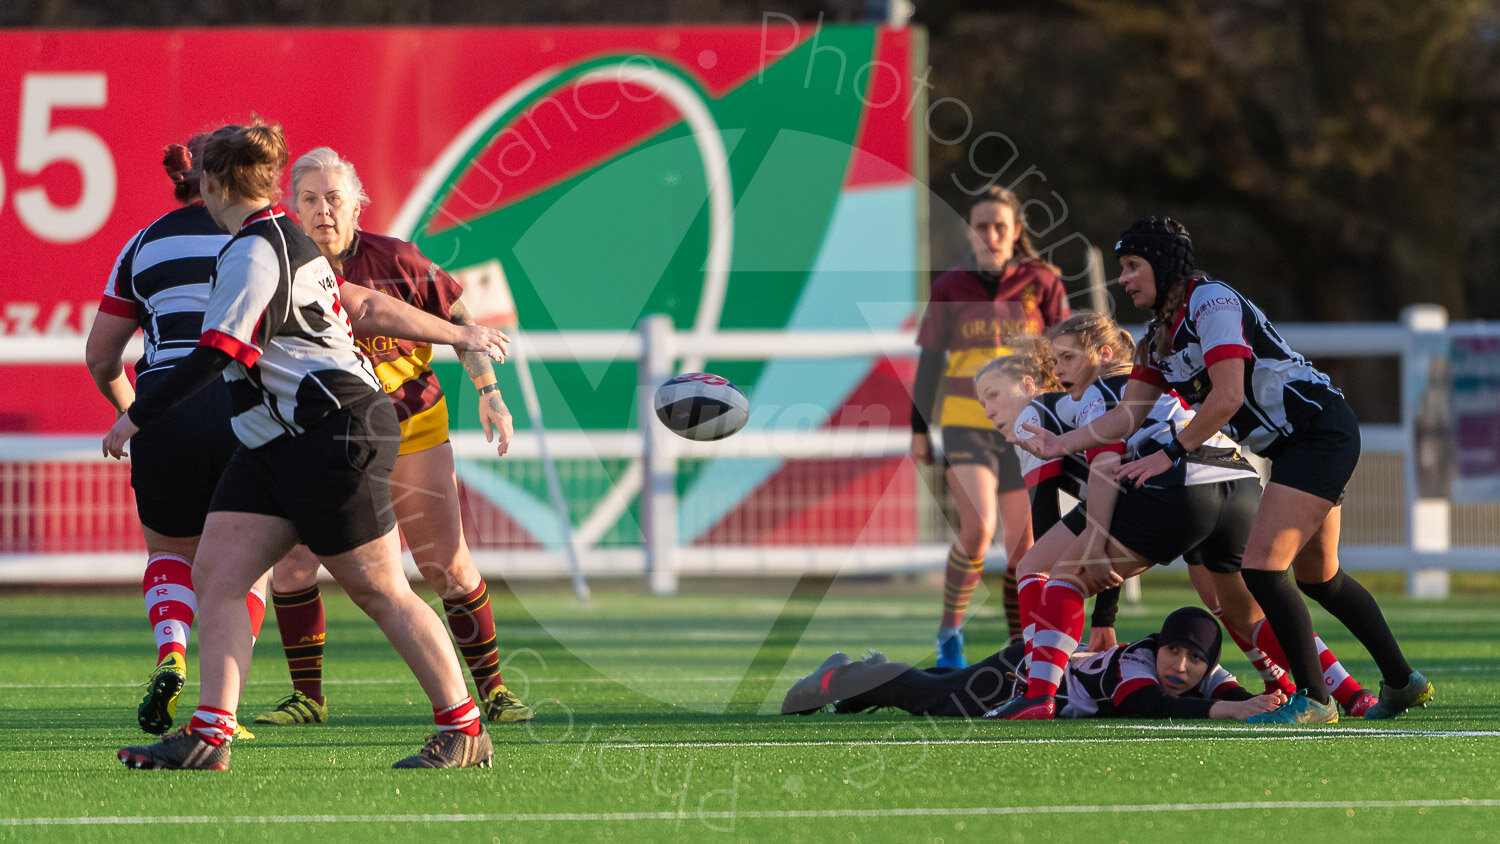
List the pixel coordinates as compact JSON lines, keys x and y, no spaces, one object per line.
{"x":1337,"y":160}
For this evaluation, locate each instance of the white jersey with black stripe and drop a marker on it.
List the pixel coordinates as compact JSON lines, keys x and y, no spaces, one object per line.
{"x":275,"y":310}
{"x":1217,"y":460}
{"x":161,"y":279}
{"x":1096,"y":684}
{"x":1281,"y":388}
{"x":1043,"y":412}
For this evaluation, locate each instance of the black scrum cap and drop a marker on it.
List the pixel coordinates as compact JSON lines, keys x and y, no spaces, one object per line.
{"x":1193,"y":628}
{"x":1166,"y":245}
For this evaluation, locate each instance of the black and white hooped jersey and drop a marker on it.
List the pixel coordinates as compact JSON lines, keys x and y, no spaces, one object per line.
{"x":1216,"y":461}
{"x":1043,"y":412}
{"x":275,"y":310}
{"x":1098,"y":684}
{"x":161,"y":280}
{"x":1281,"y":388}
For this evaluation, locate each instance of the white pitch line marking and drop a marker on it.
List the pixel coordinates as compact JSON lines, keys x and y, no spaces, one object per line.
{"x":916,"y":811}
{"x":1308,"y":731}
{"x":1244,"y":735}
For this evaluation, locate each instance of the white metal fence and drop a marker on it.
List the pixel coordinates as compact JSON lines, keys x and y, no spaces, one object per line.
{"x":67,"y":515}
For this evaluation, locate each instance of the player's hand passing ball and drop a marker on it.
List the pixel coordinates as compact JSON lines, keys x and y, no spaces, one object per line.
{"x":1042,"y":442}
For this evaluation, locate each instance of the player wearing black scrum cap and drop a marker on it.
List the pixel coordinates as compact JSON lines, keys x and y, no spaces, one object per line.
{"x":1221,"y":354}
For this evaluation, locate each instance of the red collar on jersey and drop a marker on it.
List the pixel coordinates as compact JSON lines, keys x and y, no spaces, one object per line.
{"x":266,"y":213}
{"x":1187,"y":297}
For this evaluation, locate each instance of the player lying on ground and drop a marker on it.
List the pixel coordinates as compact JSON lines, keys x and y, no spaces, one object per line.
{"x":1174,"y":673}
{"x":1201,"y":512}
{"x":1221,"y":354}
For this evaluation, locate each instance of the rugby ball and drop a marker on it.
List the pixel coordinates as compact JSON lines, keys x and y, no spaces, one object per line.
{"x":701,"y":406}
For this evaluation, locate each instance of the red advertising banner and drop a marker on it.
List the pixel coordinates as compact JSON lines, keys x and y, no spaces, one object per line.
{"x":84,"y":116}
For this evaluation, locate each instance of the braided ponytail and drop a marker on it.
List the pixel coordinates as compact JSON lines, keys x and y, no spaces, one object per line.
{"x":1161,"y":331}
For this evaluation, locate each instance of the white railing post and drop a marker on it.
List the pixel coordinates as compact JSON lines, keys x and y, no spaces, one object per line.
{"x":659,"y":486}
{"x":1428,"y":472}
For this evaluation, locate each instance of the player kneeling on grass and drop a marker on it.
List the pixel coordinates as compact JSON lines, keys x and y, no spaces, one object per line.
{"x":1174,"y":673}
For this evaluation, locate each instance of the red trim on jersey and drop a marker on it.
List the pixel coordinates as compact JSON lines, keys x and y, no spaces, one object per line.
{"x":1112,"y":448}
{"x":242,"y":352}
{"x":114,"y":306}
{"x":1128,"y":688}
{"x":1149,"y":374}
{"x":1218,"y":353}
{"x":1187,"y":299}
{"x":262,"y":214}
{"x":1223,"y":689}
{"x":1050,"y":469}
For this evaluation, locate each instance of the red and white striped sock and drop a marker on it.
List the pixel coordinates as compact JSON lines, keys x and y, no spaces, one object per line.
{"x":216,"y":726}
{"x":1059,"y":624}
{"x":1274,"y":675}
{"x":462,"y":716}
{"x":1336,"y":679}
{"x":170,"y":603}
{"x":1341,"y":686}
{"x":255,"y":603}
{"x":1030,"y":595}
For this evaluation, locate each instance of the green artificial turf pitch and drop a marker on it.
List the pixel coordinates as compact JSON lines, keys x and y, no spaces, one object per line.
{"x":656,"y":720}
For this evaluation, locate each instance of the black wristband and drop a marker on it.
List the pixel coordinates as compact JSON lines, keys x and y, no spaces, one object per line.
{"x":1175,"y":450}
{"x":489,"y":388}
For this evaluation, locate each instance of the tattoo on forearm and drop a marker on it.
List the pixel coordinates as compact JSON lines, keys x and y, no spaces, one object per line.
{"x":476,"y":364}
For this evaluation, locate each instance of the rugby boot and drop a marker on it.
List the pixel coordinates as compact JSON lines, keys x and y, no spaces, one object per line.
{"x":950,"y":648}
{"x":1298,"y":709}
{"x":452,"y":749}
{"x":297,"y":708}
{"x":160,"y":701}
{"x":1022,"y":708}
{"x":1393,"y":702}
{"x":810,"y":694}
{"x":502,"y":705}
{"x":1361,"y":704}
{"x":180,"y":750}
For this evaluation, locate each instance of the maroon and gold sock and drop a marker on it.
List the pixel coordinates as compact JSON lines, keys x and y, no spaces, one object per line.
{"x":1012,"y":595}
{"x":960,"y":577}
{"x":299,"y":617}
{"x":473,"y":625}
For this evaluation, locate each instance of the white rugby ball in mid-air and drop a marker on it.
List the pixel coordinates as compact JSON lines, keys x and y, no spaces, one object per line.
{"x":701,"y":406}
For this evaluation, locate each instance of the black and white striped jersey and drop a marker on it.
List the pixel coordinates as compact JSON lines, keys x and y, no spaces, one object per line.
{"x":274,"y":308}
{"x":161,"y":280}
{"x":1044,"y":412}
{"x":1097,"y":684}
{"x":1281,"y":388}
{"x":1217,"y":460}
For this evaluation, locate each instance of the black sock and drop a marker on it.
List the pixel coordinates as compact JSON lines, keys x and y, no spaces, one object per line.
{"x":1292,"y":625}
{"x":1347,"y":600}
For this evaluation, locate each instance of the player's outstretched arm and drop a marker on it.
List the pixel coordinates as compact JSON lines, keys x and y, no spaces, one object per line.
{"x":1239,"y":710}
{"x":376,"y":313}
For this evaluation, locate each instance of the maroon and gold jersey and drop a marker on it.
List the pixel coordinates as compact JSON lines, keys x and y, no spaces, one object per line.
{"x":404,"y":367}
{"x":973,"y":325}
